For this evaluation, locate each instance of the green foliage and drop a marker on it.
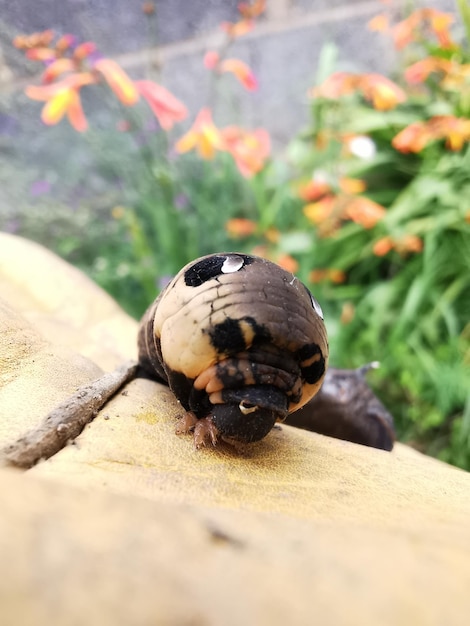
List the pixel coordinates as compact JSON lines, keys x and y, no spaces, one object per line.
{"x":409,"y":302}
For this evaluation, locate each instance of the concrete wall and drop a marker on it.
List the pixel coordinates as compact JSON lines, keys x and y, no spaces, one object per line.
{"x":283,"y":50}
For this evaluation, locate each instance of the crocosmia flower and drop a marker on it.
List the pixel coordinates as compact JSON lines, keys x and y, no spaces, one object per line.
{"x":63,"y":98}
{"x":250,"y":149}
{"x":203,"y":136}
{"x":364,"y":211}
{"x":118,"y":80}
{"x":166,"y":108}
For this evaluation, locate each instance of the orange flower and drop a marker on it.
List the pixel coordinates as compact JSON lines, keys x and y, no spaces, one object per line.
{"x":347,"y":313}
{"x":439,"y":24}
{"x":84,"y":50}
{"x":211,"y":59}
{"x":352,"y":185}
{"x":241,"y":71}
{"x":255,"y":9}
{"x":272,"y":235}
{"x":457,"y":77}
{"x":41,"y":54}
{"x":334,"y":275}
{"x":234,"y":66}
{"x":416,"y":136}
{"x":364,"y":211}
{"x":63,"y":98}
{"x":455,"y":130}
{"x":409,"y":243}
{"x":318,"y":212}
{"x":237,"y":29}
{"x":382,"y":246}
{"x":419,"y":71}
{"x":287,"y":262}
{"x":403,"y":245}
{"x":407,"y":31}
{"x":148,"y":8}
{"x":313,"y":190}
{"x":337,"y":85}
{"x":413,"y":138}
{"x":118,"y":80}
{"x":249,"y":149}
{"x":317,"y":276}
{"x":42,"y":39}
{"x":404,"y":32}
{"x":166,"y":108}
{"x":203,"y":136}
{"x":379,"y":23}
{"x":56,"y":68}
{"x":240,"y":227}
{"x":382,"y":92}
{"x":64,"y":42}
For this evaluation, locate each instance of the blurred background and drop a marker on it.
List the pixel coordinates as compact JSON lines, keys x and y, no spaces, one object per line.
{"x":331,"y":137}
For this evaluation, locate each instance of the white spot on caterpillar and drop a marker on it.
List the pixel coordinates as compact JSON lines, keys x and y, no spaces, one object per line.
{"x":232,"y":264}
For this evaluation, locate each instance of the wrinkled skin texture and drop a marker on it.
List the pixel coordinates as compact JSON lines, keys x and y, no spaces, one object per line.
{"x":240,"y":342}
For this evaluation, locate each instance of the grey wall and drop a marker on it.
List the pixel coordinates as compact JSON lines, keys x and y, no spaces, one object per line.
{"x":283,"y":50}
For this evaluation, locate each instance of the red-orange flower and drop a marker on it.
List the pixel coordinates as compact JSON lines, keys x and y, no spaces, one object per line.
{"x":318,"y":212}
{"x":253,"y":9}
{"x":83,"y":50}
{"x":337,"y":85}
{"x":234,"y":66}
{"x":455,"y":130}
{"x":240,"y":227}
{"x":203,"y":136}
{"x":352,"y":185}
{"x":166,"y":108}
{"x":287,"y":262}
{"x":334,"y":275}
{"x":63,"y":98}
{"x":403,"y":245}
{"x":56,"y":68}
{"x":41,"y":39}
{"x":211,"y":59}
{"x":379,"y":23}
{"x":419,"y":71}
{"x":364,"y":211}
{"x":237,"y":29}
{"x":413,"y":138}
{"x":409,"y":243}
{"x":382,"y":92}
{"x":313,"y":190}
{"x":408,"y":30}
{"x":382,"y":246}
{"x":416,"y":136}
{"x":41,"y":54}
{"x":241,"y":71}
{"x":118,"y":80}
{"x":250,"y":149}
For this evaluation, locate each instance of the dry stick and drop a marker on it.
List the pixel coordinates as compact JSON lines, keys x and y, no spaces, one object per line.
{"x":66,"y":421}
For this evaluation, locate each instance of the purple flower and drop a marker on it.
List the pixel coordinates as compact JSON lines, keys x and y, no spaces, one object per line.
{"x":181,"y":201}
{"x":40,"y":187}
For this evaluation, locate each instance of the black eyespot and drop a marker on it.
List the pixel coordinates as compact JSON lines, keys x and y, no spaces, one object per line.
{"x":227,"y":337}
{"x":312,"y":363}
{"x":214,"y":266}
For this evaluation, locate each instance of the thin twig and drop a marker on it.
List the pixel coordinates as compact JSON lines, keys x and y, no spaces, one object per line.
{"x":64,"y":423}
